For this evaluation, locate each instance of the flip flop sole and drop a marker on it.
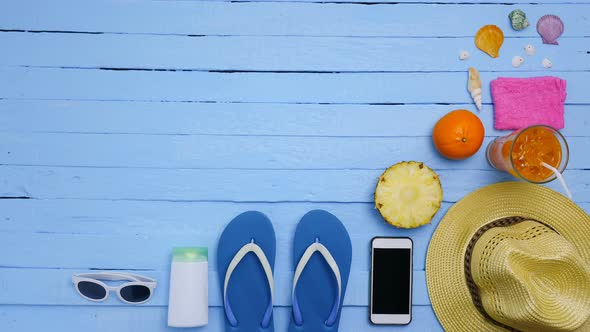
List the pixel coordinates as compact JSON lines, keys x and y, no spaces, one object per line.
{"x":317,"y":288}
{"x":248,"y":292}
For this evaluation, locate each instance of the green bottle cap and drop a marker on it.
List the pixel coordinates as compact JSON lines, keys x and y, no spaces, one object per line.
{"x":190,"y":254}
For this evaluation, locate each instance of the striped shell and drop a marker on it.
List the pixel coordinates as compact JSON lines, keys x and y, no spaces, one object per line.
{"x":550,"y":27}
{"x":489,"y":39}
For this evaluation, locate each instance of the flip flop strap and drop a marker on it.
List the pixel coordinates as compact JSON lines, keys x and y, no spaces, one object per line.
{"x":313,"y":248}
{"x":254,"y":248}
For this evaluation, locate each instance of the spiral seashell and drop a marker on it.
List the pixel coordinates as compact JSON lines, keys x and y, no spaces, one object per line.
{"x":476,"y":96}
{"x":518,"y":19}
{"x":550,"y":27}
{"x":474,"y":87}
{"x":517,"y":61}
{"x":464,"y":55}
{"x":529,"y":50}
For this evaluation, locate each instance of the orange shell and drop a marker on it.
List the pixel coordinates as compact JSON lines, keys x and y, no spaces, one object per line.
{"x":489,"y":39}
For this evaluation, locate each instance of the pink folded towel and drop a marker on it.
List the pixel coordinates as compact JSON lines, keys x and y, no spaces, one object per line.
{"x":523,"y":102}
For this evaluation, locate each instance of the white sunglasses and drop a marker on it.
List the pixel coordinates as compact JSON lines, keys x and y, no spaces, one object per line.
{"x":138,"y":290}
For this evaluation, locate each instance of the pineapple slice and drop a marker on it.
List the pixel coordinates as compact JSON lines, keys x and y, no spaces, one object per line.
{"x":408,"y":194}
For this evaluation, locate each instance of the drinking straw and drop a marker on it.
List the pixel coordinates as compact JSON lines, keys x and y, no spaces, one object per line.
{"x":559,"y":176}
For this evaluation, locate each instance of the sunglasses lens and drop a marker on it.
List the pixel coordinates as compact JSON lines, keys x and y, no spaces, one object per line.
{"x":92,"y":290}
{"x":135,"y":293}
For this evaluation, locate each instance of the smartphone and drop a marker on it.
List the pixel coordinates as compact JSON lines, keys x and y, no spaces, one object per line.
{"x":391,"y":280}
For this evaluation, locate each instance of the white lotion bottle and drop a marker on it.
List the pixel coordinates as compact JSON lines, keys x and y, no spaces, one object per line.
{"x":188,"y":302}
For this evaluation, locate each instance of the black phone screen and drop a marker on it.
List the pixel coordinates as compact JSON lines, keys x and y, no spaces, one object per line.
{"x":391,"y":281}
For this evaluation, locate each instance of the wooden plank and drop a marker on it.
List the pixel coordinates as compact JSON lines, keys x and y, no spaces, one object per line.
{"x":93,"y":318}
{"x":241,"y":152}
{"x":357,"y":88}
{"x":150,"y":249}
{"x":243,"y":119}
{"x":103,"y":217}
{"x":325,"y":54}
{"x":300,"y":19}
{"x":177,"y":224}
{"x":464,"y":2}
{"x":14,"y":280}
{"x":237,"y":185}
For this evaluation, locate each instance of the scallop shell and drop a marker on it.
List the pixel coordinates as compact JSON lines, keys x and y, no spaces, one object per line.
{"x":550,"y":27}
{"x":464,"y":55}
{"x":518,"y":19}
{"x":517,"y":61}
{"x":547,"y":63}
{"x":529,"y":50}
{"x":489,"y":39}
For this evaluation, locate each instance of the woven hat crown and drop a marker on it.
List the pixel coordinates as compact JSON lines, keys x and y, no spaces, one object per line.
{"x":531,"y":278}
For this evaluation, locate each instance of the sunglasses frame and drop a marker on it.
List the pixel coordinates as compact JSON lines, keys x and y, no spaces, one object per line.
{"x":95,"y":278}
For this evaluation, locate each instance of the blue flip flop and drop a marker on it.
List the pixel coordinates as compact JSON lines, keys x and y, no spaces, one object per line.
{"x":322,"y":254}
{"x":245,"y":262}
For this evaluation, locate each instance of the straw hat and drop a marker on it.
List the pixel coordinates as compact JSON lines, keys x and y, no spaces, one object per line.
{"x":511,"y":256}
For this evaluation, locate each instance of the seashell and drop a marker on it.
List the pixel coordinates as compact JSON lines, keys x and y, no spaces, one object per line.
{"x":489,"y":39}
{"x":517,"y":61}
{"x":547,"y":63}
{"x":529,"y":50}
{"x":474,"y":86}
{"x":518,"y":19}
{"x":550,"y":27}
{"x":464,"y":55}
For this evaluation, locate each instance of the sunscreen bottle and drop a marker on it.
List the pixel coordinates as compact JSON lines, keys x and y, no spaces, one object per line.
{"x":188,"y":303}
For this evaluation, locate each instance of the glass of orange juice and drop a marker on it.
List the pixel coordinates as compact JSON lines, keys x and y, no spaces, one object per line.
{"x":523,"y":152}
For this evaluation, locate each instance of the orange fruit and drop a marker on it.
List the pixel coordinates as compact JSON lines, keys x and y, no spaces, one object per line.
{"x":458,"y":135}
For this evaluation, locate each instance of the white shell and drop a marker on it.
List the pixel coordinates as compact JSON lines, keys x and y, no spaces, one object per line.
{"x":474,"y":86}
{"x":529,"y":50}
{"x":464,"y":55}
{"x":517,"y":61}
{"x":547,"y":63}
{"x":476,"y":96}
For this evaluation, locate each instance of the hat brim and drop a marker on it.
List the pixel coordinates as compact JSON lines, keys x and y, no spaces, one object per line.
{"x":445,"y":275}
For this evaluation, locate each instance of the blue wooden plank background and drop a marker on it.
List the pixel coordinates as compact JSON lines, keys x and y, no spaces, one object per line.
{"x":131,"y":127}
